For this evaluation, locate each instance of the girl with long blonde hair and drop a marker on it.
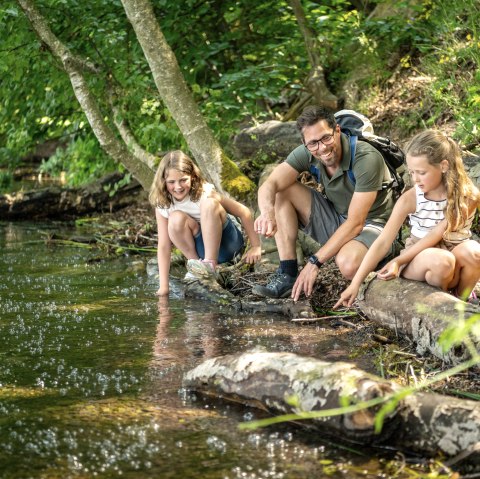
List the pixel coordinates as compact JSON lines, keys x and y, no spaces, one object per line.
{"x":199,"y":221}
{"x":441,"y":207}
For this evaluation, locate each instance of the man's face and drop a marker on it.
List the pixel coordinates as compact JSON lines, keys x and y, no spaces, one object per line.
{"x":324,"y":143}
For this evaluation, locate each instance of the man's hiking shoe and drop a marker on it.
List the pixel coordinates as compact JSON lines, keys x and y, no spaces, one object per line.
{"x":279,"y":285}
{"x":201,"y":269}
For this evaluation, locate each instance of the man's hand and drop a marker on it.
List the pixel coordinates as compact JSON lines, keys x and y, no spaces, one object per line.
{"x":305,"y":281}
{"x":266,"y":225}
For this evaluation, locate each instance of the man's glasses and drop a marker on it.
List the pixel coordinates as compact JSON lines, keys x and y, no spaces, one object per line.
{"x":326,"y":140}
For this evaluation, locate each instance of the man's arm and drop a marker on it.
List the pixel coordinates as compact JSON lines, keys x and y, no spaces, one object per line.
{"x":281,"y":178}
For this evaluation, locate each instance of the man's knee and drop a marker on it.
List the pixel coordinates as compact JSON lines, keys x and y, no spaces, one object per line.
{"x":294,"y":200}
{"x":348,"y":265}
{"x":349,"y":258}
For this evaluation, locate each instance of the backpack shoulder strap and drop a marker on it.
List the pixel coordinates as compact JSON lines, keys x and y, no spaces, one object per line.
{"x":353,"y":146}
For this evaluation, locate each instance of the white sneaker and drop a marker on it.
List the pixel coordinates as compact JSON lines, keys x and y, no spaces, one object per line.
{"x":201,"y":269}
{"x":190,"y":277}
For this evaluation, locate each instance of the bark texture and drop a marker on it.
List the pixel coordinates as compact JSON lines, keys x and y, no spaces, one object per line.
{"x":284,"y":382}
{"x":176,"y":95}
{"x":75,"y":68}
{"x":419,"y":311}
{"x":56,"y":202}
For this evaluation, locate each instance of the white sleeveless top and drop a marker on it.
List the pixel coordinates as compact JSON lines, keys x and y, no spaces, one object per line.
{"x":427,"y":214}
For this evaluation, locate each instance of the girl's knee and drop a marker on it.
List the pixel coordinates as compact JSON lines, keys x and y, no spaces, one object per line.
{"x":177,"y":221}
{"x":443,"y":264}
{"x":468,"y":254}
{"x":211,"y":207}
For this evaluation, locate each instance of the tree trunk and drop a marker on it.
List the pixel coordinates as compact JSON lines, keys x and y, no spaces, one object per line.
{"x":316,"y":83}
{"x":287,"y":383}
{"x":75,"y":67}
{"x":420,"y":311}
{"x":56,"y":202}
{"x":219,"y":169}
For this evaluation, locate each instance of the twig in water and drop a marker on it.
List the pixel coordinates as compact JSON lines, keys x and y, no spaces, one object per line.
{"x":320,"y":318}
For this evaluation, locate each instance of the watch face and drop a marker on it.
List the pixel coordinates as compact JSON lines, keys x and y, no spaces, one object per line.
{"x":313,"y":260}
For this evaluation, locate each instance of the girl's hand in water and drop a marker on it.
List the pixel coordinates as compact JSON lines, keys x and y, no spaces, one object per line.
{"x":162,"y":291}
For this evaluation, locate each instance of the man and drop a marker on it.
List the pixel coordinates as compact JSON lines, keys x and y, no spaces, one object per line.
{"x":345,"y":223}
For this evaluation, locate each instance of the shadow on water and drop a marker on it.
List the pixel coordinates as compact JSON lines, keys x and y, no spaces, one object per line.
{"x":91,"y":368}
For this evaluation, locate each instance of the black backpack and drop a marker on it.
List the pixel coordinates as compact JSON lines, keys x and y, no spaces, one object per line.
{"x":359,"y":128}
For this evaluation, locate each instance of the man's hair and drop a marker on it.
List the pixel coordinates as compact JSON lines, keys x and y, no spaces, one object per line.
{"x":313,"y":114}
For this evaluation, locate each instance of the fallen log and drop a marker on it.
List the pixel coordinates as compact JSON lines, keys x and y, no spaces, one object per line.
{"x":57,"y":202}
{"x":419,"y":311}
{"x":210,"y":290}
{"x":425,"y":423}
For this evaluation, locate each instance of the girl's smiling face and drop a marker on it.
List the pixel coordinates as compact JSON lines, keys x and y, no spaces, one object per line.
{"x":178,"y":184}
{"x":426,"y":176}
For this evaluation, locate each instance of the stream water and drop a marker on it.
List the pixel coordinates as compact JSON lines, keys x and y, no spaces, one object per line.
{"x":91,"y":367}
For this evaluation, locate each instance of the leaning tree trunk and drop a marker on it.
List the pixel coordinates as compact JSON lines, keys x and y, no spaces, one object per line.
{"x":316,"y":83}
{"x":219,"y":169}
{"x":287,"y":383}
{"x":75,"y":68}
{"x":419,"y":311}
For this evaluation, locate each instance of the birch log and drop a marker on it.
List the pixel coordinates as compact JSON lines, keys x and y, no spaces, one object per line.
{"x":427,"y":423}
{"x":419,"y":311}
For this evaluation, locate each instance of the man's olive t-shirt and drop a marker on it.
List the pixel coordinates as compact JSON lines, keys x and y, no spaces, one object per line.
{"x":370,"y":174}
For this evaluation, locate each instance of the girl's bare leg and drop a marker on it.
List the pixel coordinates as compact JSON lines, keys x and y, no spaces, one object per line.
{"x":181,"y":229}
{"x":212,"y":218}
{"x":467,"y":267}
{"x":434,"y":266}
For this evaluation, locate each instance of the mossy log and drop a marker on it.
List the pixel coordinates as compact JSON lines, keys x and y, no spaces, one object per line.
{"x":211,"y":291}
{"x":419,"y":311}
{"x":58,"y":202}
{"x":426,"y":423}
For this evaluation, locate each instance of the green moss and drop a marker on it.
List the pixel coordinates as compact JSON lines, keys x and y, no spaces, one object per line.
{"x":235,"y":182}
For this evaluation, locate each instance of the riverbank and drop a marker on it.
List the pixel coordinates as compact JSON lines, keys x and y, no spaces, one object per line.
{"x":345,"y":335}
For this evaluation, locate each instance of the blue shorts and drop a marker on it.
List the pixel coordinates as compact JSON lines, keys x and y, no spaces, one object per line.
{"x":231,"y":244}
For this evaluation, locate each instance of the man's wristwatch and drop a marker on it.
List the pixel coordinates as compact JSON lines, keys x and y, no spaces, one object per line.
{"x":314,"y":260}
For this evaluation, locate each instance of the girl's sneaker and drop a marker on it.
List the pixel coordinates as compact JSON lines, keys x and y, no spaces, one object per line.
{"x":201,"y":268}
{"x":472,"y":299}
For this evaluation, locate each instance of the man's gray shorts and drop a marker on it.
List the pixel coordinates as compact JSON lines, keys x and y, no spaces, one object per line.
{"x":324,"y":221}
